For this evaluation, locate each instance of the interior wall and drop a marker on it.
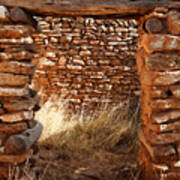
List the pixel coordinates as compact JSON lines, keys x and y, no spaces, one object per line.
{"x":86,"y":60}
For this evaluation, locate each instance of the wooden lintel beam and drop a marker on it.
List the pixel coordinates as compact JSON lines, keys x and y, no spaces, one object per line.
{"x":90,"y":7}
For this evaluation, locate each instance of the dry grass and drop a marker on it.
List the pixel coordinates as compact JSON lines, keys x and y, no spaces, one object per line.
{"x":101,"y":146}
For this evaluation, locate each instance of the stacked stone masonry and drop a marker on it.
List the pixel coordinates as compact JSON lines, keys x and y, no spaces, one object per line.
{"x":17,"y":100}
{"x":158,"y":61}
{"x":86,"y":60}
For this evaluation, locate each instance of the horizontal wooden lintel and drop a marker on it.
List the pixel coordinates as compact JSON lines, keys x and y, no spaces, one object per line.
{"x":90,"y":7}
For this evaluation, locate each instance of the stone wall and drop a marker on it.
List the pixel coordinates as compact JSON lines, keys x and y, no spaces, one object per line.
{"x":86,"y":60}
{"x":158,"y":62}
{"x":18,"y":130}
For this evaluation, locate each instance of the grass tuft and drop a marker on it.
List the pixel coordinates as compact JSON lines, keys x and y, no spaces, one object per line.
{"x":102,"y":145}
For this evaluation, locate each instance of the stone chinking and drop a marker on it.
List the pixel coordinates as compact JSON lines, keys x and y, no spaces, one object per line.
{"x":18,"y":130}
{"x":158,"y":61}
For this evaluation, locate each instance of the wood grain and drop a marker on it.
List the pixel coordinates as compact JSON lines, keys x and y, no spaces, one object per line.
{"x":90,"y":7}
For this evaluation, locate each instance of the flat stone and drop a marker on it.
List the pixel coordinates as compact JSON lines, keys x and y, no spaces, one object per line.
{"x":151,"y":170}
{"x":12,"y":48}
{"x":12,"y":128}
{"x":16,"y":56}
{"x":160,"y":42}
{"x":4,"y":13}
{"x":6,"y":91}
{"x":175,"y":90}
{"x":21,"y":105}
{"x":163,"y":138}
{"x":24,"y":40}
{"x":17,"y":67}
{"x":15,"y":31}
{"x":171,"y":175}
{"x":163,"y":128}
{"x":17,"y":116}
{"x":13,"y":159}
{"x":160,"y":78}
{"x":14,"y":99}
{"x":165,"y":117}
{"x":165,"y":104}
{"x":173,"y":22}
{"x":156,"y":91}
{"x":7,"y":79}
{"x":159,"y":154}
{"x":162,"y":62}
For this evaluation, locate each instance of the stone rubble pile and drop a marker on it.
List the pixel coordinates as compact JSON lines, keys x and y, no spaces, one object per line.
{"x":17,"y":100}
{"x":86,"y":60}
{"x":158,"y":61}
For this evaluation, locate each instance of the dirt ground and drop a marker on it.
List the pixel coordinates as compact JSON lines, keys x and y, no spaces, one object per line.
{"x":104,"y":147}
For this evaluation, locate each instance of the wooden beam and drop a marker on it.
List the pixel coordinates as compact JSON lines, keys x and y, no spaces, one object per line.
{"x":90,"y":7}
{"x":20,"y":143}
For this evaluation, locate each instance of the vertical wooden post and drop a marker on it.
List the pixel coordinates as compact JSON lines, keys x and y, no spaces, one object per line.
{"x":158,"y":61}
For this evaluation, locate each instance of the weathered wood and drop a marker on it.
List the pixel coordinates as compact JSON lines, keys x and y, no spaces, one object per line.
{"x":154,"y":25}
{"x":90,"y":7}
{"x":22,"y":142}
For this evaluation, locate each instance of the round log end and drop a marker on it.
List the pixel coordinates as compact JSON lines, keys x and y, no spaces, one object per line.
{"x":154,"y":25}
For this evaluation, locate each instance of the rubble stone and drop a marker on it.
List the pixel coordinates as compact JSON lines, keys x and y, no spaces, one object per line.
{"x":17,"y":116}
{"x":4,"y":14}
{"x":17,"y":67}
{"x":7,"y":79}
{"x":173,"y":22}
{"x":159,"y":70}
{"x":98,"y":53}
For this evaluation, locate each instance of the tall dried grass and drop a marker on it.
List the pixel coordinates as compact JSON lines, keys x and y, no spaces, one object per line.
{"x":102,"y":144}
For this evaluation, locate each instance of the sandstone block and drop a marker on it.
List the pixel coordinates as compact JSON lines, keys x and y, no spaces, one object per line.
{"x":171,"y":174}
{"x":157,"y":92}
{"x":165,"y":104}
{"x":163,"y":128}
{"x":173,"y":22}
{"x":162,"y":62}
{"x":15,"y":31}
{"x":175,"y":90}
{"x":4,"y":13}
{"x":165,"y":117}
{"x":12,"y":128}
{"x":7,"y":79}
{"x":21,"y":105}
{"x":17,"y":67}
{"x":163,"y":138}
{"x":160,"y":78}
{"x":16,"y":56}
{"x":159,"y":154}
{"x":26,"y":40}
{"x":155,"y":43}
{"x":17,"y":116}
{"x":6,"y":91}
